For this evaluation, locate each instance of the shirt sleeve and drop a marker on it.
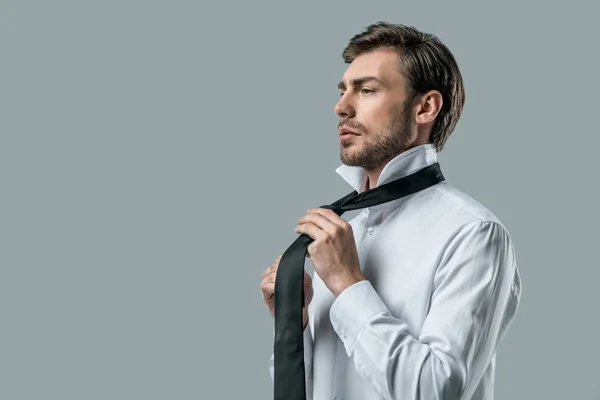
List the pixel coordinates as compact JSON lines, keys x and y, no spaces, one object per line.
{"x":308,"y":359}
{"x":476,"y":291}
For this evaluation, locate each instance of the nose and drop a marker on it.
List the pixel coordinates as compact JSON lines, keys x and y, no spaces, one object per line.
{"x":344,"y":108}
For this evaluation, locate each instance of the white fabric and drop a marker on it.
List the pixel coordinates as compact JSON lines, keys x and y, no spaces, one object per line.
{"x":442,"y":289}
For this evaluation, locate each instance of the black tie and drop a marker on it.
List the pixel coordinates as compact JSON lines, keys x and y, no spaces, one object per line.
{"x":289,"y":378}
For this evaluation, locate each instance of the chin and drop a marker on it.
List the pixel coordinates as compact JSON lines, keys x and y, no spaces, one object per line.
{"x":350,"y":159}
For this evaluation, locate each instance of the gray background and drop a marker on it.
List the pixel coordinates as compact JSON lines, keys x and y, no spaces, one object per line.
{"x":155,"y":156}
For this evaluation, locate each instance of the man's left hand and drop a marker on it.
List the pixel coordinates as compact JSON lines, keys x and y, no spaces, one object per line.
{"x":333,"y":252}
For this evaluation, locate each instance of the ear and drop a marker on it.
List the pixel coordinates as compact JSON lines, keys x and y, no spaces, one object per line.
{"x":428,"y":106}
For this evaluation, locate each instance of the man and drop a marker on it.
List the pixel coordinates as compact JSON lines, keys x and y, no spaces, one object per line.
{"x":411,"y":298}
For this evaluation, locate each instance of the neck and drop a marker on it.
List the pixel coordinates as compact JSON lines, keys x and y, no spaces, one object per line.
{"x":373,"y":177}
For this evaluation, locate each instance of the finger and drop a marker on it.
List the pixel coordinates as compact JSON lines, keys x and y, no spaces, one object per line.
{"x":273,"y":267}
{"x":269,"y":284}
{"x":267,"y":297}
{"x":319,"y":221}
{"x":275,"y":264}
{"x":265,"y":273}
{"x":311,"y":230}
{"x":270,"y":268}
{"x":267,"y":288}
{"x":330,"y":215}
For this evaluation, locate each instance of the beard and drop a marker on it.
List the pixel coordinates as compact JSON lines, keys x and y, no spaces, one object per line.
{"x":372,"y":151}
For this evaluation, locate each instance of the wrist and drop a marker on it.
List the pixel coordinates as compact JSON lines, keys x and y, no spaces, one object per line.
{"x":342,"y":282}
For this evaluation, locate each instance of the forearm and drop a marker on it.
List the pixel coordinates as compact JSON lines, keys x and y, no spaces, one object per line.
{"x":442,"y":363}
{"x":384,"y":353}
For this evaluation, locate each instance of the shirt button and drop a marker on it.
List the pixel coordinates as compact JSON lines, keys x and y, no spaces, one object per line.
{"x":513,"y":287}
{"x":370,"y":230}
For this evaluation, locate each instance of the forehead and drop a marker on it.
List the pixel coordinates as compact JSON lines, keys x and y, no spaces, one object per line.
{"x":382,"y":64}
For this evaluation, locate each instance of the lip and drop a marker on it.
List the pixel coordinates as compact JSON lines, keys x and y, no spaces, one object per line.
{"x":346,"y":131}
{"x":347,"y":136}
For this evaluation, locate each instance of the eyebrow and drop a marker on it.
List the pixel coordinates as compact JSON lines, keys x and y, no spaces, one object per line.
{"x":359,"y":81}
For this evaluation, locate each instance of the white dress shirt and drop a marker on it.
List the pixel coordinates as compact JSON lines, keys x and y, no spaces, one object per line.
{"x":442,"y":289}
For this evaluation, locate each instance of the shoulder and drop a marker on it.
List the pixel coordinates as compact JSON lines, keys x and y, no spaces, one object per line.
{"x":446,"y":215}
{"x":468,"y":222}
{"x":447,"y":203}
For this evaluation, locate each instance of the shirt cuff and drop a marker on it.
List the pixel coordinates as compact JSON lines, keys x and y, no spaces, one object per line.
{"x":352,"y":309}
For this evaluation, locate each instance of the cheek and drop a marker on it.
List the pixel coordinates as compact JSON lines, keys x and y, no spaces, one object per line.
{"x":376,"y":112}
{"x":376,"y":119}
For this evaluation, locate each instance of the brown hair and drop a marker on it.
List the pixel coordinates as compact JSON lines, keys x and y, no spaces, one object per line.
{"x":426,"y":64}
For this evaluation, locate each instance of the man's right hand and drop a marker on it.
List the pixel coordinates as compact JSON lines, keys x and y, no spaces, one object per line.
{"x":267,"y":287}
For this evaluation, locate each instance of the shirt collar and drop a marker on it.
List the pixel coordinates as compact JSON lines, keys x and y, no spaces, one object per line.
{"x":403,"y":164}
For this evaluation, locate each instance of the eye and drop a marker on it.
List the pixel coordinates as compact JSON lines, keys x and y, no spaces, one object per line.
{"x":363,"y":90}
